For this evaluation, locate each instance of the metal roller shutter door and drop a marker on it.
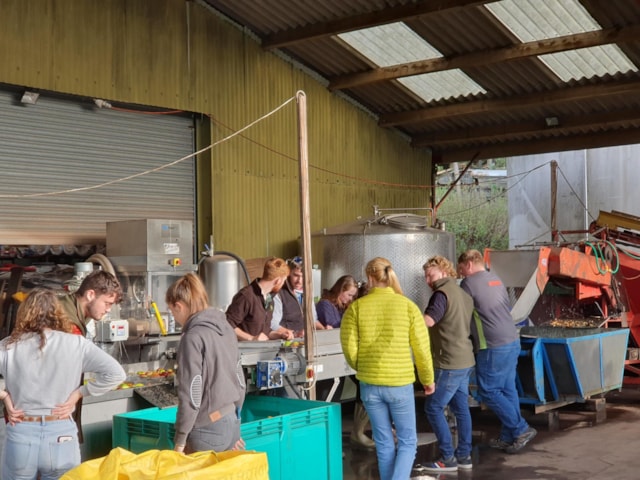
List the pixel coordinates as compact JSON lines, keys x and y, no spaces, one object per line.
{"x":64,"y":144}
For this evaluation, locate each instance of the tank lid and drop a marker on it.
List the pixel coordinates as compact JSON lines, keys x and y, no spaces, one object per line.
{"x":405,"y":221}
{"x":387,"y":224}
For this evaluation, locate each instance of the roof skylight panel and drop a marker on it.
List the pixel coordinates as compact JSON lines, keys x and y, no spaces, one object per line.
{"x":531,"y":20}
{"x":395,"y":44}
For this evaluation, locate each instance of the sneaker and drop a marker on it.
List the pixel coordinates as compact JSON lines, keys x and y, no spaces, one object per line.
{"x":465,"y":463}
{"x":498,"y":443}
{"x":440,"y":465}
{"x":520,"y":442}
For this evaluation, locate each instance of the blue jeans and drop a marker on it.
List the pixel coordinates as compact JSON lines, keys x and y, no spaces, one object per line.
{"x":496,"y":375}
{"x":452,"y":388}
{"x":384,"y":406}
{"x":50,"y":448}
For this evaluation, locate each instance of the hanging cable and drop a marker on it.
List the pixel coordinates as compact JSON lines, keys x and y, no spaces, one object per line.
{"x":595,"y":251}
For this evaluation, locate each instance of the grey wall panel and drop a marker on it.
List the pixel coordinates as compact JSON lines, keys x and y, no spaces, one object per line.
{"x":589,"y":181}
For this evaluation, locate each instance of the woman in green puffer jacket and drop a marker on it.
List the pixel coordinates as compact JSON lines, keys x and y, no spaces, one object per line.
{"x":383,"y":335}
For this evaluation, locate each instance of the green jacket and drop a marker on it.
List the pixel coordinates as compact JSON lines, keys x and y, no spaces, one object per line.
{"x":69,"y":303}
{"x":451,"y":336}
{"x":382,"y":334}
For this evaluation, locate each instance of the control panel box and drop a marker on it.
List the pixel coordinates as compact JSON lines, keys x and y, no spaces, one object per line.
{"x":112,"y":330}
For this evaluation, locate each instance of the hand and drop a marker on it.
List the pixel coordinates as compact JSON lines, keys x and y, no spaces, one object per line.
{"x":429,"y":389}
{"x":287,"y":334}
{"x":65,"y":409}
{"x":283,"y":333}
{"x":239,"y":445}
{"x":13,"y":414}
{"x":261,"y":337}
{"x":178,"y":448}
{"x":329,"y":327}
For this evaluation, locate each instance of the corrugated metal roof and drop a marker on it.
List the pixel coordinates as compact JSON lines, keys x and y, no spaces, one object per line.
{"x":535,"y":20}
{"x":395,"y":44}
{"x":469,"y":78}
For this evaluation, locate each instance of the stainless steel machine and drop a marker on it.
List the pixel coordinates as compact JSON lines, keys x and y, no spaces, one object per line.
{"x":278,"y":364}
{"x":147,"y":256}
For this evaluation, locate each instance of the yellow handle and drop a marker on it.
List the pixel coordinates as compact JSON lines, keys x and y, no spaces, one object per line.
{"x":163,"y":330}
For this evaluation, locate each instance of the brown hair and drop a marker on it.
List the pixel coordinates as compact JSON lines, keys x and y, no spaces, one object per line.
{"x":344,"y":283}
{"x":38,"y":312}
{"x":189,"y":290}
{"x":473,"y":256}
{"x":381,"y":271}
{"x":443,"y":264}
{"x":274,"y":268}
{"x":103,"y":283}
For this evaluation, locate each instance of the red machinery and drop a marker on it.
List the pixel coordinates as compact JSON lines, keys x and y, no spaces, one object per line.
{"x":565,"y":286}
{"x":586,"y":284}
{"x":620,"y":234}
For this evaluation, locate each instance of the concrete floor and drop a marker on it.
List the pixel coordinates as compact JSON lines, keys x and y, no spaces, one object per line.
{"x":581,"y":449}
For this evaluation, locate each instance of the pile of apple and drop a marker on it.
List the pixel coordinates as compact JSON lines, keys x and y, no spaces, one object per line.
{"x":125,"y":385}
{"x":157,"y":373}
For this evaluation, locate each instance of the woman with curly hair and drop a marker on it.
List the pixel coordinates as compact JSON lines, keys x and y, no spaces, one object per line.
{"x":448,"y":317}
{"x":42,"y":362}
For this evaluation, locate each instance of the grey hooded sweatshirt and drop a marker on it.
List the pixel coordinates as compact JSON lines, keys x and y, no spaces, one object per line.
{"x":207,"y":374}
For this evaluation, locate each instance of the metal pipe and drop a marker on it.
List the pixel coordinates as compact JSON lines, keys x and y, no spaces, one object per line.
{"x":554,"y":199}
{"x":455,"y":182}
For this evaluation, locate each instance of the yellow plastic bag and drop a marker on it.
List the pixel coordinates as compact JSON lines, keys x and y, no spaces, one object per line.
{"x":121,"y":464}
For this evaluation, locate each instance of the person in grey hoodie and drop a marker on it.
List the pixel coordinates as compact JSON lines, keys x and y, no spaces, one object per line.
{"x":210,"y":390}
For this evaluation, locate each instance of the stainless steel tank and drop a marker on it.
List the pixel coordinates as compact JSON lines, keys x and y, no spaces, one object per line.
{"x":223,"y":276}
{"x":404,"y":239}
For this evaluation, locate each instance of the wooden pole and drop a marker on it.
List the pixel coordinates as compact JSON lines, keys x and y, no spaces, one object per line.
{"x":554,"y":200}
{"x":309,"y":336}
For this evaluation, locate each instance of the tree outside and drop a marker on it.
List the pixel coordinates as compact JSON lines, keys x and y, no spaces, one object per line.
{"x":476,"y":212}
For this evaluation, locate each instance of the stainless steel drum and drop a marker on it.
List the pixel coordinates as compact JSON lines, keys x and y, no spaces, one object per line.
{"x":404,"y":239}
{"x":223,"y":276}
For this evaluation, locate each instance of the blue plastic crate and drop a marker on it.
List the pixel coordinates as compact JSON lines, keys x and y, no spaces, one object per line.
{"x":297,"y":435}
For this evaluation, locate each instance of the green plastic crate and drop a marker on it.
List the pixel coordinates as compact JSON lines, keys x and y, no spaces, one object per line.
{"x":300,"y":437}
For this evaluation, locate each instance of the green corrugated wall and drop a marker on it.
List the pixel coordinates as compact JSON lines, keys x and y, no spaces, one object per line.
{"x":177,"y":54}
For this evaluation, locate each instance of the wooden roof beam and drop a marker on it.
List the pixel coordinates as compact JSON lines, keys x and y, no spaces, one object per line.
{"x":357,"y":22}
{"x":486,"y":57}
{"x":544,"y":145}
{"x":540,"y":100}
{"x":567,"y":125}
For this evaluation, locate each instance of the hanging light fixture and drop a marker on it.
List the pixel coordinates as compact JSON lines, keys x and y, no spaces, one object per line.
{"x":552,"y":121}
{"x":29,"y":98}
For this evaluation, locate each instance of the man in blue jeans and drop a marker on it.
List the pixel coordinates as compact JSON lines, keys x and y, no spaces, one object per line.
{"x":497,"y":346}
{"x":448,"y":317}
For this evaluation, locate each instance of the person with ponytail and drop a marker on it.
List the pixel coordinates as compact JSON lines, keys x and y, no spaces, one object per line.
{"x":383,"y":336}
{"x":210,"y":389}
